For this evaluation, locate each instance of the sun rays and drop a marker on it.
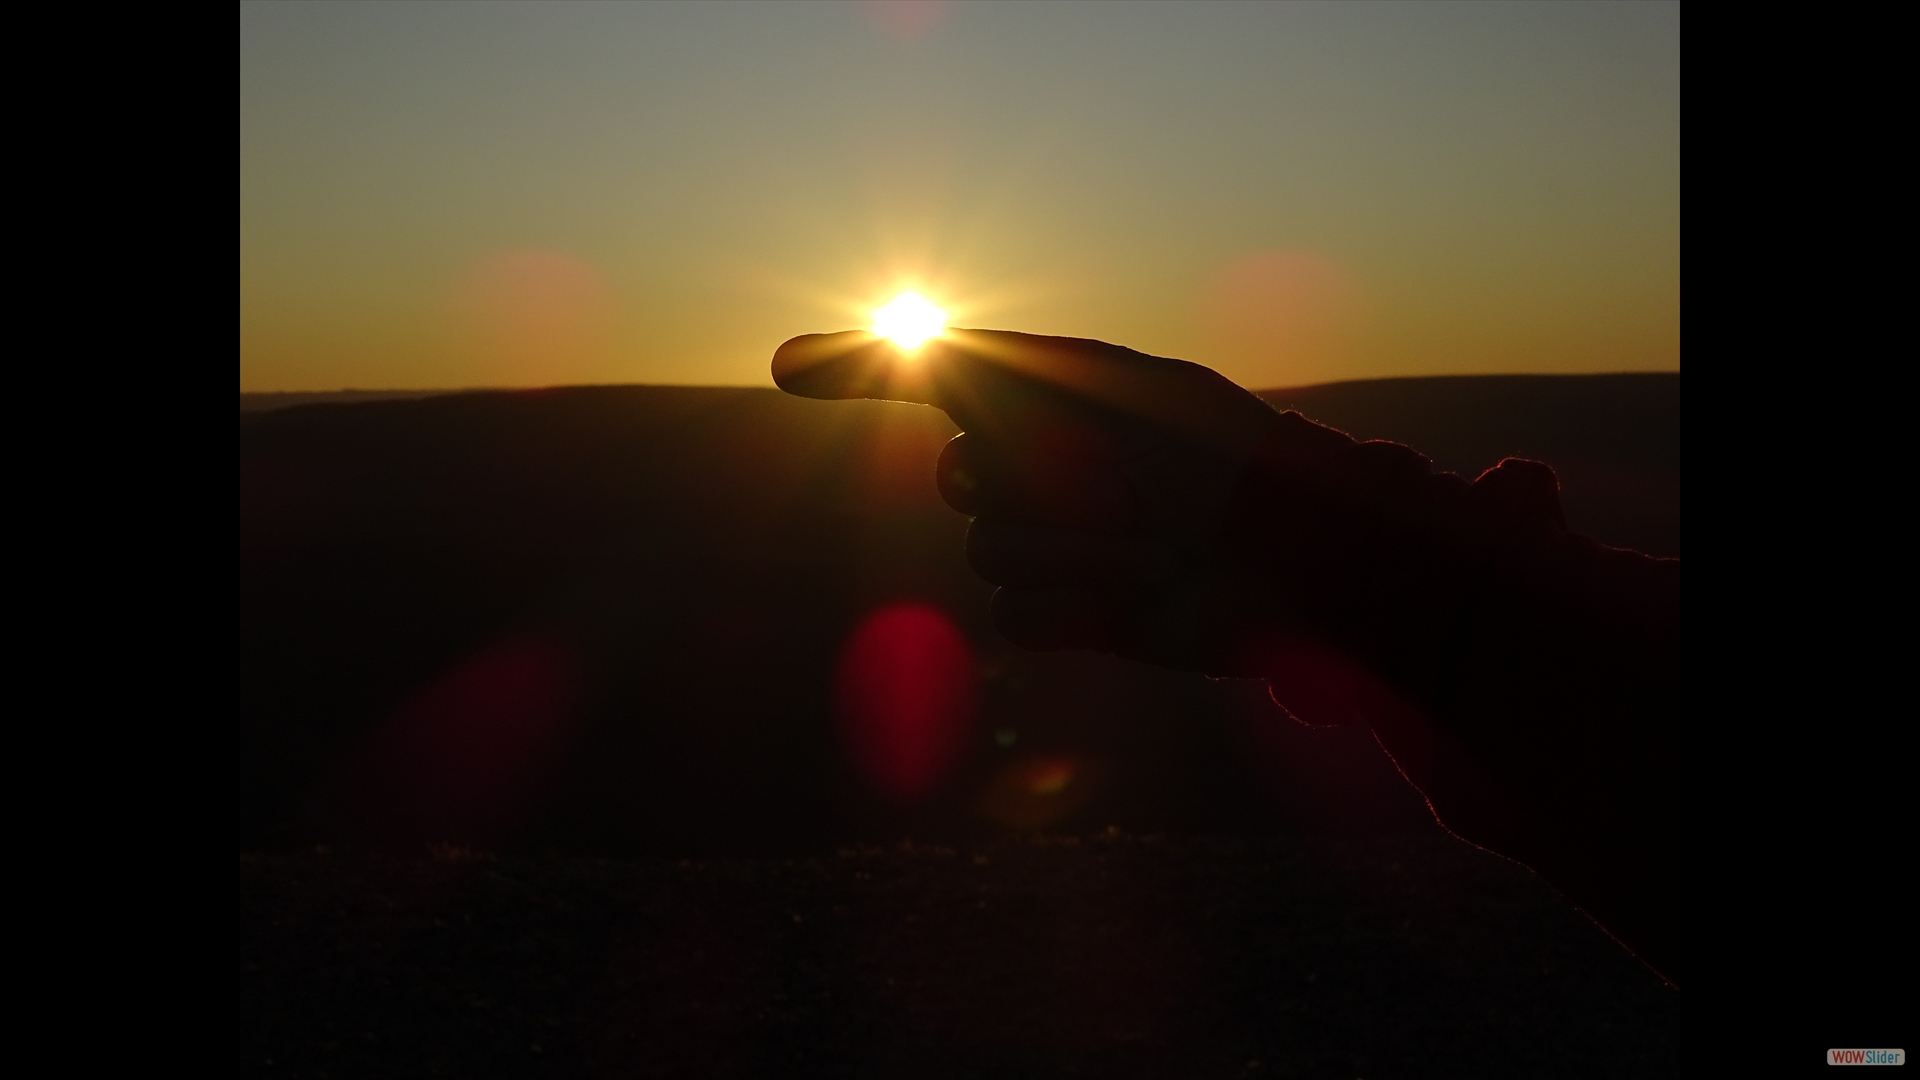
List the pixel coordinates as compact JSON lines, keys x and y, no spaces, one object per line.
{"x":909,"y":319}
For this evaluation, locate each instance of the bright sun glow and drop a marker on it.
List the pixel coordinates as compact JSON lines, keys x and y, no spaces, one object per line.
{"x":909,"y":320}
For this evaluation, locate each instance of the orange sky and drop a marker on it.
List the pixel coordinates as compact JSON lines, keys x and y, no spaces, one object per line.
{"x":444,"y":195}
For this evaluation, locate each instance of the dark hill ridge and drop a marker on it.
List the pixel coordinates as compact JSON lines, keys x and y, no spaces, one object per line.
{"x":1615,"y":439}
{"x":699,"y":554}
{"x":675,"y":569}
{"x":702,"y":552}
{"x":274,"y":401}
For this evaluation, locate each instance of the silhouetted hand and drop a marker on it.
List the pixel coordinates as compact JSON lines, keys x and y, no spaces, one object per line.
{"x":1526,"y":680}
{"x":1097,"y":477}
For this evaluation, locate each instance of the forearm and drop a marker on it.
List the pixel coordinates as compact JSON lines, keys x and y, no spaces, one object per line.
{"x":1567,"y":699}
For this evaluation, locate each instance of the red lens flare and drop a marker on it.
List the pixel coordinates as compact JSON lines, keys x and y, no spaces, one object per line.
{"x":905,"y":692}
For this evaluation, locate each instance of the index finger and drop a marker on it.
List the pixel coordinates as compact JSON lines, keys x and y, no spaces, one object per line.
{"x":986,"y":391}
{"x":850,"y":364}
{"x":977,"y":375}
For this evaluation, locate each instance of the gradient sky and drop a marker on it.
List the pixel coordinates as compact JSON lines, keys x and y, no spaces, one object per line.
{"x":453,"y":195}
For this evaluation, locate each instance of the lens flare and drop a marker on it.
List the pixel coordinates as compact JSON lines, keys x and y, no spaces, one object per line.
{"x":905,"y":690}
{"x":909,"y":320}
{"x":1049,"y":777}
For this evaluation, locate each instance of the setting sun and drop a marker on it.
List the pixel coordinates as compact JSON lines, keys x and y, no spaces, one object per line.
{"x":909,"y":320}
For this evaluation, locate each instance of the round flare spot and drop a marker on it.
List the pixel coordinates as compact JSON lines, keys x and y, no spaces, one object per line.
{"x":905,"y":694}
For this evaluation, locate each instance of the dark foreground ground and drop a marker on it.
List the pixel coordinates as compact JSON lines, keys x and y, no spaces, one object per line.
{"x":1107,"y":955}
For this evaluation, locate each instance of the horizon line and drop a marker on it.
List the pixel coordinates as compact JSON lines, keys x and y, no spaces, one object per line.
{"x":434,"y":390}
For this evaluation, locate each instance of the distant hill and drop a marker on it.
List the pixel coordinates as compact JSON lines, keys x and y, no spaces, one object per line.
{"x":1613,"y":439}
{"x":663,"y":576}
{"x":268,"y":402}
